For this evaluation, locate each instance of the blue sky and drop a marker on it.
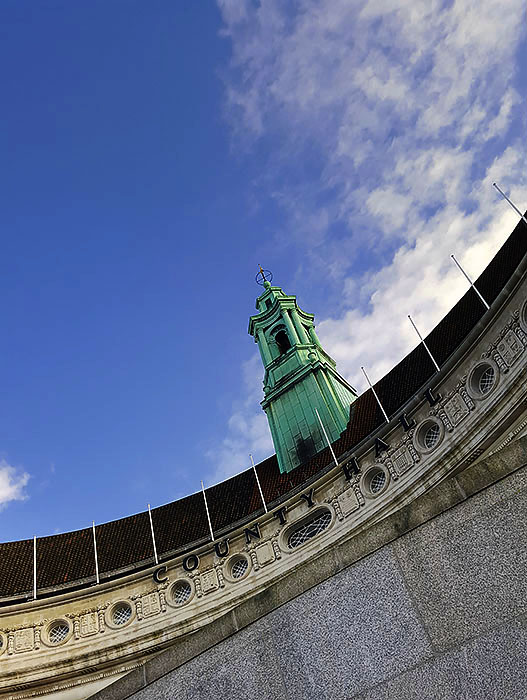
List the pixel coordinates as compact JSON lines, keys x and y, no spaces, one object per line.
{"x":153,"y":154}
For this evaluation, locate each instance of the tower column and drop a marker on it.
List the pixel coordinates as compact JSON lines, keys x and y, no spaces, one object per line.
{"x":290,"y":328}
{"x":264,"y":348}
{"x":314,"y":337}
{"x":300,"y":328}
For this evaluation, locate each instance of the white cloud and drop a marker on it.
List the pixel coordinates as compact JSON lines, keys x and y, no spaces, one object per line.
{"x":407,"y":112}
{"x":247,"y":428}
{"x":12,"y":484}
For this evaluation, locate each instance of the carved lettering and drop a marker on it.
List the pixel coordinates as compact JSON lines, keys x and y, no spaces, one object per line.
{"x":351,"y":468}
{"x":406,"y":422}
{"x":160,"y":575}
{"x":308,"y":497}
{"x":280,"y":514}
{"x":431,"y":397}
{"x":191,"y":562}
{"x":221,"y":548}
{"x":252,"y":532}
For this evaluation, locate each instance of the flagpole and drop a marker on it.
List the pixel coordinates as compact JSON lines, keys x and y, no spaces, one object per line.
{"x":327,"y":439}
{"x":153,"y":536}
{"x":375,"y":394}
{"x":207,"y":509}
{"x":34,"y":567}
{"x":258,"y":482}
{"x":424,"y":343}
{"x":470,"y":282}
{"x":95,"y":551}
{"x":509,"y":201}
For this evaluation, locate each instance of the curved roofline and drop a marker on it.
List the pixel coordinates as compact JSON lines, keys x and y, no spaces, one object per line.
{"x":66,"y":561}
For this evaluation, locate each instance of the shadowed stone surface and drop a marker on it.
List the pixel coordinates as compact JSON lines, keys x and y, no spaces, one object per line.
{"x":349,"y":632}
{"x":439,"y":613}
{"x":332,"y":641}
{"x":489,"y":668}
{"x":467,"y":569}
{"x":244,"y":667}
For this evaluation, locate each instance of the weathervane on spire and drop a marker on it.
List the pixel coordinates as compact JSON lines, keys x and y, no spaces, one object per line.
{"x":264,"y":277}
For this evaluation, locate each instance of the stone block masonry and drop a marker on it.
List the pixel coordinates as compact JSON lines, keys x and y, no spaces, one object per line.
{"x":429,"y":603}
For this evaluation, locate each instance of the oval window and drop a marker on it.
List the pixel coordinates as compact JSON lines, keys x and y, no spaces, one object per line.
{"x":181,"y":592}
{"x":309,"y":529}
{"x":482,"y":380}
{"x":121,"y":614}
{"x":375,"y":481}
{"x":428,"y":435}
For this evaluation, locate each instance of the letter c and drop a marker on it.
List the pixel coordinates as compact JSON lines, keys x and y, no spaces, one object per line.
{"x":158,"y":578}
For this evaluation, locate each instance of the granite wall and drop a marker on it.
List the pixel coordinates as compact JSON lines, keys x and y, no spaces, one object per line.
{"x":439,"y":612}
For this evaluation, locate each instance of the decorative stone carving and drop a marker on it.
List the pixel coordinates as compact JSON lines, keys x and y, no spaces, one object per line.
{"x":102,"y":623}
{"x":358,"y":494}
{"x":24,"y":639}
{"x":197,"y":584}
{"x":38,"y":636}
{"x":209,"y":580}
{"x":402,"y":459}
{"x":150,"y":603}
{"x":264,"y":554}
{"x":276,"y":548}
{"x":221,"y":577}
{"x":138,"y":606}
{"x":254,"y":559}
{"x":465,"y":396}
{"x":387,"y":462}
{"x":498,"y":359}
{"x":346,"y":503}
{"x":510,"y":348}
{"x":163,"y":598}
{"x":336,"y":507}
{"x":456,"y":409}
{"x":441,"y":414}
{"x":10,"y":643}
{"x":89,"y":623}
{"x":521,"y":334}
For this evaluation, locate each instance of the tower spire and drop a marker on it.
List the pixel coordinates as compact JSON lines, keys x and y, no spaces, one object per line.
{"x":264,"y":277}
{"x":301,"y":383}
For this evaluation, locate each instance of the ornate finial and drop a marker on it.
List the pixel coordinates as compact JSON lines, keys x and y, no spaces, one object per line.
{"x":264,"y":277}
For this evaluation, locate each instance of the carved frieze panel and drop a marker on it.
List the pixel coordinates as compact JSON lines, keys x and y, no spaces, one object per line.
{"x":348,"y":502}
{"x":456,"y":409}
{"x":89,"y":624}
{"x":151,"y":604}
{"x":264,"y":553}
{"x":209,"y":581}
{"x":402,"y":460}
{"x":24,"y":639}
{"x":510,"y":348}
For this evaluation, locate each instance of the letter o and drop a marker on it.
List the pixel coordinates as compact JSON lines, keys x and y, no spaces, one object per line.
{"x":191,"y":562}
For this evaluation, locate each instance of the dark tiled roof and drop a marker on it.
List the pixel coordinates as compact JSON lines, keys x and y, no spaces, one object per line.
{"x":127,"y":543}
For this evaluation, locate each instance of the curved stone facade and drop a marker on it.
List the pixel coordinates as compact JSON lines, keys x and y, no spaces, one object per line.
{"x":78,"y":636}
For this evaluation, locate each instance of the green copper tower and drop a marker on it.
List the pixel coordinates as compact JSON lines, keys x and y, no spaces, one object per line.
{"x":299,"y":378}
